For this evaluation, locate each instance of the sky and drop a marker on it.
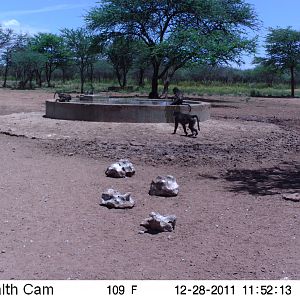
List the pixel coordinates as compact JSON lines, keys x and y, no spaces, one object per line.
{"x":35,"y":16}
{"x":274,"y":13}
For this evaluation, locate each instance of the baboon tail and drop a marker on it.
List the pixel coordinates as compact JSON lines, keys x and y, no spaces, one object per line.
{"x":196,"y":117}
{"x":54,"y":95}
{"x":190,"y":108}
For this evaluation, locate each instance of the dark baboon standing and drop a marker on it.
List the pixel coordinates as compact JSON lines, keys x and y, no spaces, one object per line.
{"x":185,"y":119}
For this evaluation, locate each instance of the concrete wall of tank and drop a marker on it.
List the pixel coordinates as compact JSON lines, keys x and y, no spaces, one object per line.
{"x":121,"y":113}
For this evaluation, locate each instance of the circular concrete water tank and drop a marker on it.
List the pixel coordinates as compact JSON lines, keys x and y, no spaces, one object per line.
{"x":123,"y":110}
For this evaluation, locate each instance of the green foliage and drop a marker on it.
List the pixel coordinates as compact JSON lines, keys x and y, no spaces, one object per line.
{"x":14,"y":43}
{"x":178,"y":32}
{"x":157,"y":43}
{"x":121,"y":55}
{"x":79,"y":42}
{"x":52,"y":47}
{"x":48,"y":44}
{"x":282,"y":51}
{"x":26,"y":62}
{"x":255,"y":93}
{"x":6,"y":36}
{"x":81,"y":45}
{"x":283,"y":47}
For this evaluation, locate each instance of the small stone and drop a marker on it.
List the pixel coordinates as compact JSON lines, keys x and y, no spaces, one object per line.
{"x":135,"y":144}
{"x":292,"y":197}
{"x":170,"y":157}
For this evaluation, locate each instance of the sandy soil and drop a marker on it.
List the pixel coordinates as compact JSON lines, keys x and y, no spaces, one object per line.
{"x":232,"y":221}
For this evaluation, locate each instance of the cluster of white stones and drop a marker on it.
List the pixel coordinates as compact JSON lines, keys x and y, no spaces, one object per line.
{"x":164,"y":186}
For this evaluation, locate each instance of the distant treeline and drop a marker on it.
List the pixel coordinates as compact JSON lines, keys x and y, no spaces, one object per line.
{"x":39,"y":61}
{"x":156,"y":43}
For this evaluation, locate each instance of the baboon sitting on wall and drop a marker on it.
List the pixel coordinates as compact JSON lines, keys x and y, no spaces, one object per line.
{"x":62,"y":97}
{"x":178,"y":98}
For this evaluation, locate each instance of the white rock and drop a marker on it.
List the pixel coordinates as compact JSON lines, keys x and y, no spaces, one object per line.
{"x":164,"y":186}
{"x":113,"y":199}
{"x":121,"y":169}
{"x":159,"y":223}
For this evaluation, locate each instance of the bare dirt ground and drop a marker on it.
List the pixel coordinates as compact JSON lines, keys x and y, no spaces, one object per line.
{"x":232,"y":221}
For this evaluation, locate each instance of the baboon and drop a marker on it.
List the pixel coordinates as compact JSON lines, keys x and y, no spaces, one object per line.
{"x":178,"y":98}
{"x":62,"y":97}
{"x":185,"y":119}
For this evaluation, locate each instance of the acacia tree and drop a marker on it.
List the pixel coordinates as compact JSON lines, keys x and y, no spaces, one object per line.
{"x":121,"y":55}
{"x":178,"y":32}
{"x":65,"y":64}
{"x":141,"y":61}
{"x":26,"y":64}
{"x":7,"y":38}
{"x":15,"y":42}
{"x":283,"y":52}
{"x":51,"y":46}
{"x":80,"y":44}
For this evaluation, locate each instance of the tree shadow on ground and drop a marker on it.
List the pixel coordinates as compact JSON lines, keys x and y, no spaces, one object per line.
{"x":265,"y":181}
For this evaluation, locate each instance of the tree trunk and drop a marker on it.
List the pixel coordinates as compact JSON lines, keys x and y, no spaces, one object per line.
{"x":167,"y":80}
{"x":81,"y":81}
{"x":30,"y":81}
{"x":92,"y":78}
{"x":5,"y":76}
{"x":63,"y":75}
{"x":141,"y":77}
{"x":82,"y":67}
{"x":119,"y":77}
{"x":166,"y":85}
{"x":39,"y":79}
{"x":292,"y":82}
{"x":47,"y":73}
{"x":124,"y":79}
{"x":154,"y":90}
{"x":92,"y":74}
{"x":82,"y":86}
